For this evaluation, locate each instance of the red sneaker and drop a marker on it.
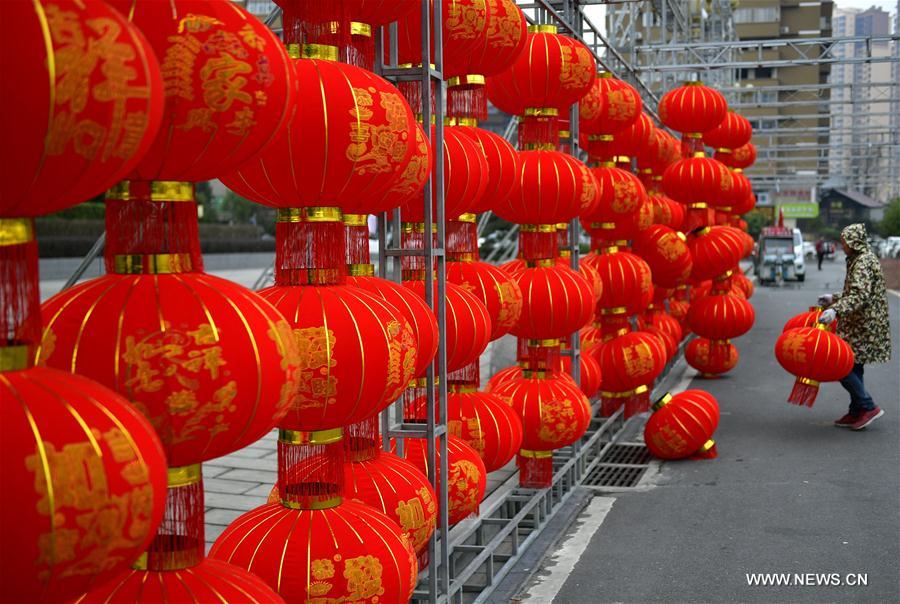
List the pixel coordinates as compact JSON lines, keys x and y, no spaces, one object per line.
{"x":846,"y":421}
{"x":866,"y":417}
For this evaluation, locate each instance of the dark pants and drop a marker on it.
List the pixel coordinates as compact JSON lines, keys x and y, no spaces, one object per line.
{"x":860,"y":400}
{"x":819,"y":257}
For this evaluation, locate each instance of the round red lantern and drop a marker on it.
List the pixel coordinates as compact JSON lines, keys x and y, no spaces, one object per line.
{"x":627,"y":288}
{"x":732,"y":132}
{"x":721,"y":316}
{"x":228,"y":83}
{"x":631,"y":140}
{"x":814,"y":355}
{"x":559,"y":302}
{"x":666,"y":253}
{"x":629,"y":364}
{"x":692,"y":108}
{"x":345,"y":147}
{"x":349,"y":551}
{"x":740,"y":281}
{"x":209,"y":581}
{"x":697,"y":354}
{"x":356,"y":354}
{"x":742,"y":157}
{"x":486,"y":423}
{"x":502,"y":166}
{"x":609,"y":107}
{"x":208,"y":362}
{"x":467,"y":476}
{"x":715,"y":251}
{"x":70,"y":136}
{"x":698,"y":180}
{"x":662,"y":321}
{"x":86,"y":481}
{"x":621,"y":195}
{"x":589,"y":372}
{"x":495,"y":288}
{"x":682,"y":425}
{"x":809,"y":318}
{"x":468,"y":324}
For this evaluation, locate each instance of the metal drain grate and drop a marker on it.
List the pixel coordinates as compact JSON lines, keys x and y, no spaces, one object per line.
{"x":621,"y":467}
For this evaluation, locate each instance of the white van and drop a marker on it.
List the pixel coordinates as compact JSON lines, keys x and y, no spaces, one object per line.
{"x":799,"y":260}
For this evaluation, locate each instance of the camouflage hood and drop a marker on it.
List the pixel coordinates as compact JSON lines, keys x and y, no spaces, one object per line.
{"x":856,"y":238}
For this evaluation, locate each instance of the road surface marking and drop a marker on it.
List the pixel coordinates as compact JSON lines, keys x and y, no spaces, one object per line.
{"x":561,"y":564}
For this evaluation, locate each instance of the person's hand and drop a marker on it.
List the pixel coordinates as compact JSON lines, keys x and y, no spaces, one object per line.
{"x":826,"y":299}
{"x":828,"y":316}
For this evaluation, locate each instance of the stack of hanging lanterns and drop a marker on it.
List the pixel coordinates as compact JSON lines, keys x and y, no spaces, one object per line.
{"x":84,"y":471}
{"x":615,"y":130}
{"x":210,"y":364}
{"x":705,"y":186}
{"x":551,"y":74}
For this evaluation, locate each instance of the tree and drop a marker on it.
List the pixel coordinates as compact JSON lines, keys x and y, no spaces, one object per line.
{"x":890,"y":224}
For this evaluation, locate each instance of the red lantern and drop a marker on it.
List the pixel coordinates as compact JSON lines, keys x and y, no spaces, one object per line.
{"x":666,"y":253}
{"x":86,"y":482}
{"x":721,"y":317}
{"x":631,"y":140}
{"x":610,"y":106}
{"x":495,"y":288}
{"x":697,"y":354}
{"x":715,"y":251}
{"x":349,"y":551}
{"x":559,"y":302}
{"x":589,"y":372}
{"x":739,"y":281}
{"x":814,"y":355}
{"x":345,"y":147}
{"x":467,"y":476}
{"x":732,"y":132}
{"x":356,"y":354}
{"x":743,"y":157}
{"x":486,"y":423}
{"x":228,"y":87}
{"x":698,"y":180}
{"x":682,"y":425}
{"x":621,"y":195}
{"x":72,"y":135}
{"x":502,"y":165}
{"x":208,"y":362}
{"x":662,"y":321}
{"x":629,"y":363}
{"x":553,"y":187}
{"x":412,"y":308}
{"x":809,"y":318}
{"x":627,"y":289}
{"x":692,"y":109}
{"x":468,"y":324}
{"x":208,"y":581}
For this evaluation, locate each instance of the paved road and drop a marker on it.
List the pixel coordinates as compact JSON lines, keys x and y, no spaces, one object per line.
{"x":789,"y":492}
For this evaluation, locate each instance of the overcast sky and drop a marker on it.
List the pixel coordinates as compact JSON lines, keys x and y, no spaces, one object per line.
{"x":888,"y":5}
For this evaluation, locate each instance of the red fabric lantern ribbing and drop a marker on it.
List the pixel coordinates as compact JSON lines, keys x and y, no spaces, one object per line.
{"x":697,"y":354}
{"x":715,"y":251}
{"x":682,"y":425}
{"x":814,"y":355}
{"x":559,"y":301}
{"x":666,"y":253}
{"x":721,"y":317}
{"x":627,"y":287}
{"x":487,"y":424}
{"x":732,"y":132}
{"x":207,"y":361}
{"x":809,"y":318}
{"x":629,"y":364}
{"x":692,"y":108}
{"x":412,"y":308}
{"x":468,"y":324}
{"x":228,"y":86}
{"x":621,"y":196}
{"x":495,"y":288}
{"x":610,"y":106}
{"x":660,"y":151}
{"x":86,"y":482}
{"x":698,"y":179}
{"x":743,"y":157}
{"x":356,"y":354}
{"x":209,"y":581}
{"x":740,"y":281}
{"x":591,"y":377}
{"x":553,"y":187}
{"x":502,"y":167}
{"x":631,"y":140}
{"x":87,"y":105}
{"x":663,"y":321}
{"x":350,"y":552}
{"x":735,"y":199}
{"x":345,"y":147}
{"x":467,"y":476}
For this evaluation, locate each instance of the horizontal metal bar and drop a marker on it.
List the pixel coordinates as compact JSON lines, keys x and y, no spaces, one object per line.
{"x":394,"y":252}
{"x":763,"y":44}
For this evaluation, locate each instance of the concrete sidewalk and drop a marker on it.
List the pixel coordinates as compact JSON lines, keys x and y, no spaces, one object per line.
{"x":789,"y":492}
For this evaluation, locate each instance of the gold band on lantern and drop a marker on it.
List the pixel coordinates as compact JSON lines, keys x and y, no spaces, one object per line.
{"x":541,"y":112}
{"x":561,"y":226}
{"x":663,"y":401}
{"x":534,"y":375}
{"x":723,"y":276}
{"x":160,"y":190}
{"x":565,"y":253}
{"x":696,"y":154}
{"x":542,"y":29}
{"x":615,"y":310}
{"x":462,"y":257}
{"x":704,"y":231}
{"x":461,"y":388}
{"x":422,"y":382}
{"x":360,"y":29}
{"x":152,"y":264}
{"x":726,"y":209}
{"x":724,"y":150}
{"x":540,"y":263}
{"x":322,"y":214}
{"x":622,"y":159}
{"x":538,"y":147}
{"x":310,"y":437}
{"x":693,"y":83}
{"x":361,"y":270}
{"x":639,"y":390}
{"x":601,"y":138}
{"x":535,"y":454}
{"x":700,"y":205}
{"x":808,"y":382}
{"x":416,"y":227}
{"x":184,"y":475}
{"x":604,"y":75}
{"x":473,"y":79}
{"x":14,"y":358}
{"x":707,"y":446}
{"x":538,"y":228}
{"x":312,"y":504}
{"x":16,"y":231}
{"x":289,"y":215}
{"x":470,"y":218}
{"x":548,"y":343}
{"x":467,"y":121}
{"x":565,"y":134}
{"x":356,"y":220}
{"x":322,"y":52}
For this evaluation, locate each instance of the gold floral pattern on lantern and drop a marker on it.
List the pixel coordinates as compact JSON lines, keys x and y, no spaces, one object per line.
{"x":316,"y":386}
{"x":377,"y":147}
{"x":465,"y":20}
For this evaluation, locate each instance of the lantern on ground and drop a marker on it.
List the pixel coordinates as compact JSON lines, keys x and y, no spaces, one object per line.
{"x":682,"y":425}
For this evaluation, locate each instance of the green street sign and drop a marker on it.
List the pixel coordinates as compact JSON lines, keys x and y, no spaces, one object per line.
{"x":800,"y":210}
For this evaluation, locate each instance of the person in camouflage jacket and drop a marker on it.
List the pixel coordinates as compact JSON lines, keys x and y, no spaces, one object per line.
{"x":862,"y":313}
